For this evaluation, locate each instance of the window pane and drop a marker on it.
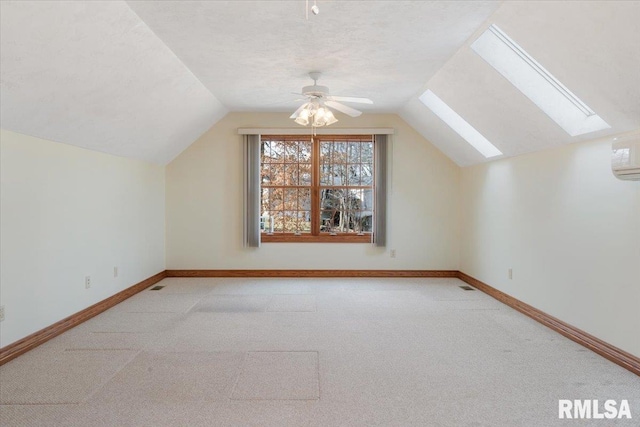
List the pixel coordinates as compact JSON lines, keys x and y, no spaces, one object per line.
{"x":304,"y":199}
{"x":365,"y":196}
{"x":367,"y":152}
{"x":265,"y":176}
{"x":304,"y":156}
{"x":305,"y":221}
{"x":297,"y":222}
{"x":346,"y":211}
{"x":277,"y":151}
{"x":354,"y":152}
{"x":278,"y":222}
{"x":276,"y":174}
{"x":291,"y":174}
{"x":346,"y":221}
{"x":265,"y":151}
{"x":339,"y":174}
{"x":327,"y":221}
{"x":366,"y":174}
{"x":325,"y":152}
{"x":339,"y":152}
{"x":291,"y":151}
{"x":326,"y":174}
{"x":353,"y":175}
{"x":264,"y":207}
{"x":291,"y":199}
{"x":305,"y":174}
{"x":290,"y":221}
{"x":276,"y":198}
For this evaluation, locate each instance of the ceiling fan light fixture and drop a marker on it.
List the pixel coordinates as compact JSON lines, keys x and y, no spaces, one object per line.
{"x":317,"y":111}
{"x":329,"y":118}
{"x":303,"y":121}
{"x":313,"y":108}
{"x":319,"y":117}
{"x":303,"y":117}
{"x":315,"y":114}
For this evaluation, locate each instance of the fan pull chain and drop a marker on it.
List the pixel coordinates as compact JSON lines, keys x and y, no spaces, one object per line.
{"x":314,"y":8}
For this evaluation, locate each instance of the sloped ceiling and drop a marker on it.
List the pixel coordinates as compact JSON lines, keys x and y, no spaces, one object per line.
{"x":92,"y":74}
{"x":144,"y":79}
{"x":591,"y":47}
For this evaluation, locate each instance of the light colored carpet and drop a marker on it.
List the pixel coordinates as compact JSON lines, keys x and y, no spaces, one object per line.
{"x":278,"y":375}
{"x":292,"y":303}
{"x":173,"y":377}
{"x":159,"y":302}
{"x":233,"y":304}
{"x":311,"y":352}
{"x":59,"y":377}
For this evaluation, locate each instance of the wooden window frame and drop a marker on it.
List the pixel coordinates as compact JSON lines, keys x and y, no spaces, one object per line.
{"x":315,"y":236}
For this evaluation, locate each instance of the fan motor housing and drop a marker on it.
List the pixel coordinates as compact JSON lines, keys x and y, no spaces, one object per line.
{"x":315,"y":90}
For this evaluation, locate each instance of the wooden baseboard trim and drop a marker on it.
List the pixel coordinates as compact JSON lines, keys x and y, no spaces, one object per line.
{"x":40,"y":337}
{"x":312,"y":273}
{"x":604,"y":349}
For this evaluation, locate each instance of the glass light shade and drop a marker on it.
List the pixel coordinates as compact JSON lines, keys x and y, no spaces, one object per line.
{"x":303,"y":117}
{"x":319,"y":118}
{"x":329,"y":117}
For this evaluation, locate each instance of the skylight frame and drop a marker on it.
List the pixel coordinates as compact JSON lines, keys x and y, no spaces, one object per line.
{"x":459,"y":125}
{"x":536,"y":82}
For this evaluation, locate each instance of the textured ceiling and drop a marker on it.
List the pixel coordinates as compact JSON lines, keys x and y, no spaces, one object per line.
{"x":92,"y":74}
{"x":253,"y":54}
{"x":144,"y":79}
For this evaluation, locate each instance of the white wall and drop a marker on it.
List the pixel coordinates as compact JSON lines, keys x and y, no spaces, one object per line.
{"x":67,"y":213}
{"x":204,"y":206}
{"x":569,"y":230}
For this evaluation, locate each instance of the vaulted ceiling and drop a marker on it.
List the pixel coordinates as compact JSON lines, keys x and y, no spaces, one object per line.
{"x":144,"y":79}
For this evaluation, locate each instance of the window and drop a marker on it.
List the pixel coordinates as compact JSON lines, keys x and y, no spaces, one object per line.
{"x":316,"y":189}
{"x":459,"y":125}
{"x":536,"y":83}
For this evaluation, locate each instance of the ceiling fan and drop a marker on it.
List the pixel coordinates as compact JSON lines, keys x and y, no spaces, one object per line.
{"x":316,"y":110}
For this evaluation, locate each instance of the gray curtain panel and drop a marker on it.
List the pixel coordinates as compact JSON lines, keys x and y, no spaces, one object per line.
{"x":380,"y":200}
{"x":251,"y":209}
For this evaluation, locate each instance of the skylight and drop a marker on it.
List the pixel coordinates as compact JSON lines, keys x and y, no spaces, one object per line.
{"x":459,"y":124}
{"x":536,"y":83}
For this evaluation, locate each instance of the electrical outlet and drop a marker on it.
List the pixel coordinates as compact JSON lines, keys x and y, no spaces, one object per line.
{"x":392,"y":253}
{"x":87,"y":282}
{"x":115,"y":271}
{"x":1,"y":313}
{"x":510,"y":273}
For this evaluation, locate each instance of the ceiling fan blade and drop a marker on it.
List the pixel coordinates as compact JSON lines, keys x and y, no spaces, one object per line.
{"x":295,"y":115}
{"x":351,"y":99}
{"x":343,"y":108}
